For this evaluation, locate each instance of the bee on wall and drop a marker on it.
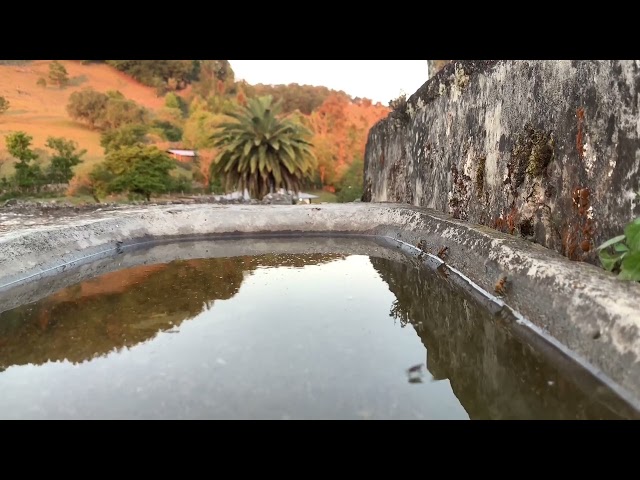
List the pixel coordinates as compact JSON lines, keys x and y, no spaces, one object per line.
{"x":501,"y":286}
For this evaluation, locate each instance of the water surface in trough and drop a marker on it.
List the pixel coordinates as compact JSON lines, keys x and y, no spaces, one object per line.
{"x":304,"y":336}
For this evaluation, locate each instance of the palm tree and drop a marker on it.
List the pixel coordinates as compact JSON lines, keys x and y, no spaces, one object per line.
{"x":261,"y":151}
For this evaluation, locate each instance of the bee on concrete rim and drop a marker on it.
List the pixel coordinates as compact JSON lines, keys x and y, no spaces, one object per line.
{"x":501,"y":285}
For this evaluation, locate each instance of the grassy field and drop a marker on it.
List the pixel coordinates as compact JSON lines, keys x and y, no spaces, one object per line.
{"x":41,"y":111}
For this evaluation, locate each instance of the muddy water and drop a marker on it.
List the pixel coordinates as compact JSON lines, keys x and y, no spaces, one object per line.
{"x":305,"y":336}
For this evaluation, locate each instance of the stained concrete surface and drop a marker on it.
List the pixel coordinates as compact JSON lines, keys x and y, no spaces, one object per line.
{"x":546,"y":150}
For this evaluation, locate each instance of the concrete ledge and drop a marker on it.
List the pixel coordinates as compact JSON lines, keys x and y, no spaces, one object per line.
{"x":580,"y":305}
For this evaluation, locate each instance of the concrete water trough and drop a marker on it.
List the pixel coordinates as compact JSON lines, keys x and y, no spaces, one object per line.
{"x":582,"y":317}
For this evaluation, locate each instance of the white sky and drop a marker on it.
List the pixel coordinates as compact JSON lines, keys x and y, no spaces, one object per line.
{"x":378,"y":80}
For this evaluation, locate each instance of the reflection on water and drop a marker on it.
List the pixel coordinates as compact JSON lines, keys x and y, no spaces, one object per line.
{"x":272,"y":336}
{"x":125,"y":308}
{"x":493,"y":375}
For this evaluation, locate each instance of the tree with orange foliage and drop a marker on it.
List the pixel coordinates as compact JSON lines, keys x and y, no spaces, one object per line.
{"x":82,"y":184}
{"x":206,"y":157}
{"x":241,"y":98}
{"x":340,"y":129}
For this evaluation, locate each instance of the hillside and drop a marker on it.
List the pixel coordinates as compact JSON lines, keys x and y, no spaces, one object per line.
{"x":41,"y":111}
{"x":339,"y":123}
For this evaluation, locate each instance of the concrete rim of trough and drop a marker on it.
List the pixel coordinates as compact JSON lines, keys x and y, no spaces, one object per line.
{"x":578,"y":309}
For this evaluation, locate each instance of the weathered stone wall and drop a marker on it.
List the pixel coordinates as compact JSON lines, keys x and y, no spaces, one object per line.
{"x":549,"y":150}
{"x":435,"y":66}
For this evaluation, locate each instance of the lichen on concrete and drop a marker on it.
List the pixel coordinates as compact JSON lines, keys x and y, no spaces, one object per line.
{"x":542,"y":129}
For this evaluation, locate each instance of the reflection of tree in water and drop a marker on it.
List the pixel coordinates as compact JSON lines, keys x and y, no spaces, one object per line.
{"x":398,"y":312}
{"x":123,"y":308}
{"x":291,"y":261}
{"x":493,"y":375}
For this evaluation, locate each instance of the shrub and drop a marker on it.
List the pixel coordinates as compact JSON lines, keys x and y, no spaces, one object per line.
{"x":4,"y":105}
{"x":400,"y":108}
{"x":621,"y":254}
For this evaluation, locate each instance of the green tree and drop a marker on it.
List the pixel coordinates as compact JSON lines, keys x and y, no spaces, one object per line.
{"x":98,"y":183}
{"x":138,"y":170}
{"x":219,"y":104}
{"x":120,"y":111}
{"x":19,"y":146}
{"x":123,"y":136}
{"x":175,"y":101}
{"x":198,"y":128}
{"x":104,"y":111}
{"x":261,"y":151}
{"x":58,"y":74}
{"x":351,"y":186}
{"x":42,"y":82}
{"x":167,"y":130}
{"x":28,"y":175}
{"x":65,"y":157}
{"x":219,"y":69}
{"x":213,"y":74}
{"x":4,"y":105}
{"x":88,"y":106}
{"x":171,"y":74}
{"x":305,"y":98}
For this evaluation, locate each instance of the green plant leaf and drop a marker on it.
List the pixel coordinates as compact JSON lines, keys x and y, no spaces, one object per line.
{"x":620,"y":247}
{"x":631,"y":267}
{"x":611,"y":241}
{"x":609,"y":261}
{"x":632,"y":232}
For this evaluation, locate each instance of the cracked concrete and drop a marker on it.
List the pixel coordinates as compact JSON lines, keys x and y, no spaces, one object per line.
{"x":581,"y":306}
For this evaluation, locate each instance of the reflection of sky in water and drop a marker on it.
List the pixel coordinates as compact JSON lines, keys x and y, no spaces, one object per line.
{"x":312,"y":342}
